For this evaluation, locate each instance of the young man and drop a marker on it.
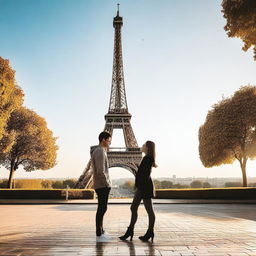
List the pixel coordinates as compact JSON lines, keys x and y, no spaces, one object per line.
{"x":101,"y":180}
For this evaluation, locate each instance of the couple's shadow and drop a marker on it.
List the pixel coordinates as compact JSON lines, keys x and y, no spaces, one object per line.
{"x":100,"y":248}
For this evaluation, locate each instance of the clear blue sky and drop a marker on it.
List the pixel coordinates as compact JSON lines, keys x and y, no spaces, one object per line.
{"x":178,"y":62}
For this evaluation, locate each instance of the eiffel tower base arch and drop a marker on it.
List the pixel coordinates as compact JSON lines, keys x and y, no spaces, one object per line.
{"x":127,"y":158}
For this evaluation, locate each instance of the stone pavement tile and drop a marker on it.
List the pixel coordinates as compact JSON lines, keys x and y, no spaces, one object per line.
{"x":170,"y":253}
{"x":152,"y":252}
{"x":186,"y":253}
{"x":15,"y":254}
{"x":214,"y":254}
{"x":238,"y":254}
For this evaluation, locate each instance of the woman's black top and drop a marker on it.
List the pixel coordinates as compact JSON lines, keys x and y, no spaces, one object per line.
{"x":143,"y":181}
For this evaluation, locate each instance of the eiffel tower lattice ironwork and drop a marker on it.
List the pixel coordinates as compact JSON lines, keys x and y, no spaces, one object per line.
{"x":118,"y":117}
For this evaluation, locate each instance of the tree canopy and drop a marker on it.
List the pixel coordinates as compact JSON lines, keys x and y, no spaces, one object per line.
{"x":11,"y":95}
{"x":241,"y":21}
{"x":33,"y":145}
{"x":229,"y":131}
{"x":196,"y":184}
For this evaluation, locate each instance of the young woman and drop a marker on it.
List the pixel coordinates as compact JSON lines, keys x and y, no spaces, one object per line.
{"x":144,"y":190}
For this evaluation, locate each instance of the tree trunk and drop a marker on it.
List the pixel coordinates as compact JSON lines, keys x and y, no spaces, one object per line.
{"x":243,"y":168}
{"x":11,"y":176}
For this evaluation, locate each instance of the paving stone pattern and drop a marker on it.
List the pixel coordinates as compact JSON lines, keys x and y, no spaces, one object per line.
{"x":181,"y":230}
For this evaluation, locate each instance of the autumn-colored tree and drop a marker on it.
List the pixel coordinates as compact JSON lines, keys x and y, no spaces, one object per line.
{"x":46,"y":184}
{"x":34,"y":146}
{"x":229,"y":131}
{"x":241,"y":21}
{"x":11,"y":96}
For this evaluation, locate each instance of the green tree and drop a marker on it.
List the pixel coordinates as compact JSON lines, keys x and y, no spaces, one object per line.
{"x":69,"y":182}
{"x":241,"y":21}
{"x":57,"y":184}
{"x":206,"y":185}
{"x":34,"y":146}
{"x":196,"y":184}
{"x":11,"y":96}
{"x":229,"y":132}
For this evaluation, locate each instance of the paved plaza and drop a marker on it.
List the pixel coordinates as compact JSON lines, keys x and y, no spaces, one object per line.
{"x":181,"y":229}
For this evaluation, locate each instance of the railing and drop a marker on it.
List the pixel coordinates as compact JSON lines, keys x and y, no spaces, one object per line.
{"x":124,"y":149}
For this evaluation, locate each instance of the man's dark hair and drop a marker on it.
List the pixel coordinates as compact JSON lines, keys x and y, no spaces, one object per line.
{"x":104,"y":135}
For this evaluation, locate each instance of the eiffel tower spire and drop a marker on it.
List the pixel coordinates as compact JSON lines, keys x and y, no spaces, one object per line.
{"x":118,"y":102}
{"x":117,"y":9}
{"x":118,"y":115}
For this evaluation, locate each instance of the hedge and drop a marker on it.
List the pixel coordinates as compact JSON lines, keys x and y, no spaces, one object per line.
{"x":207,"y":193}
{"x":46,"y":193}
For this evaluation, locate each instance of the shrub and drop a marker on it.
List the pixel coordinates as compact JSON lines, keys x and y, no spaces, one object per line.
{"x":46,"y":194}
{"x":3,"y":183}
{"x":233,"y":184}
{"x":28,"y":183}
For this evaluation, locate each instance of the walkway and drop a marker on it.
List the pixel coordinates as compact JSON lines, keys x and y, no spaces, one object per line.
{"x":181,"y":229}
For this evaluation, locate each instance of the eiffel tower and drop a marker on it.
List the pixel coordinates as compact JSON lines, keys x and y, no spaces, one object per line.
{"x":118,"y":117}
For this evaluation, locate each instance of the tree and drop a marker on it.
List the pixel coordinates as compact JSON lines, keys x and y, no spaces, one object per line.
{"x":69,"y":182}
{"x":129,"y":185}
{"x":241,"y":21}
{"x":34,"y":146}
{"x":206,"y":185}
{"x":229,"y":132}
{"x":3,"y":183}
{"x":46,"y":184}
{"x":57,"y":184}
{"x":157,"y":184}
{"x":166,"y":184}
{"x":178,"y":185}
{"x":11,"y":96}
{"x":196,"y":184}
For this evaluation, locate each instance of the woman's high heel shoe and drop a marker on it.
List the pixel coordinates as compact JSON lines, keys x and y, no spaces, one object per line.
{"x":149,"y":234}
{"x":129,"y":232}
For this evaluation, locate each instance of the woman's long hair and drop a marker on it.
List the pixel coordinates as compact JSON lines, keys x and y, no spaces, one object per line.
{"x":152,"y":151}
